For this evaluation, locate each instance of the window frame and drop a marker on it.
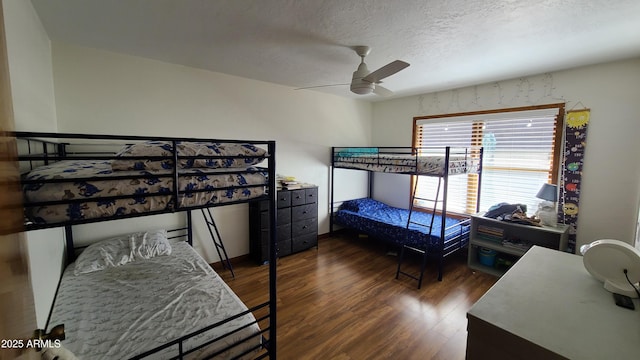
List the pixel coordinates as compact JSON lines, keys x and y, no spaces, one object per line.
{"x":554,"y":171}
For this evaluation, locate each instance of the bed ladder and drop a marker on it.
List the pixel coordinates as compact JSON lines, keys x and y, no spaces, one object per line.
{"x":429,"y":226}
{"x":217,"y":240}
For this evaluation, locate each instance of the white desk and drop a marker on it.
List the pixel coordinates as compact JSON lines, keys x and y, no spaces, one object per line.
{"x":547,"y":306}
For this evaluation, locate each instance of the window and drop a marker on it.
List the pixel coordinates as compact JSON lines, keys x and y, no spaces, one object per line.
{"x":521,"y":152}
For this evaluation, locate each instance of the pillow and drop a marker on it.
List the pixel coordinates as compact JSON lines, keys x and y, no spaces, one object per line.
{"x":148,"y":148}
{"x":349,"y":152}
{"x":162,"y":148}
{"x":220,"y":149}
{"x":363,"y":205}
{"x":122,"y":250}
{"x":149,"y":244}
{"x":349,"y":205}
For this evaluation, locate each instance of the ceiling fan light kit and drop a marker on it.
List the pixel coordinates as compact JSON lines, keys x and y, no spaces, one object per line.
{"x":361,"y":87}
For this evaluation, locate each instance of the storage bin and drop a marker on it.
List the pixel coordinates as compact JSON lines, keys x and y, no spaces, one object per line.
{"x":504,"y":262}
{"x":486,"y":256}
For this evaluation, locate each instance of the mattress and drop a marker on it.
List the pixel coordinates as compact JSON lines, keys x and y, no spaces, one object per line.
{"x":405,"y":163}
{"x":124,"y":311}
{"x":390,"y":224}
{"x":86,"y":180}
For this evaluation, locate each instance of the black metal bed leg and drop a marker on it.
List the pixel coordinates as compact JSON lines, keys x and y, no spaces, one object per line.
{"x":400,"y":259}
{"x":440,"y":266}
{"x":217,"y":240}
{"x":423,"y":267}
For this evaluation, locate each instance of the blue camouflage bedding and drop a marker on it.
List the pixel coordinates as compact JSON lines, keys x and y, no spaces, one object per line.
{"x":390,"y":224}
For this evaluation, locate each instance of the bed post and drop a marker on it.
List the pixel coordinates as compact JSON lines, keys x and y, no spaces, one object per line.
{"x":479,"y":179}
{"x":176,"y":177}
{"x":189,"y":228}
{"x":443,"y":225}
{"x":68,"y":236}
{"x":273,"y":253}
{"x":331,"y":174}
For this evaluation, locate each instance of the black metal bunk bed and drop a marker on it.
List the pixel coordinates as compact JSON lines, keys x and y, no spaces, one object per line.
{"x":434,"y":234}
{"x":187,"y":174}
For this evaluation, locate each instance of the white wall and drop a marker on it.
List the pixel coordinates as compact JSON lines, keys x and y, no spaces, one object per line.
{"x":611,"y":178}
{"x":31,"y":78}
{"x":29,"y":67}
{"x":104,"y":92}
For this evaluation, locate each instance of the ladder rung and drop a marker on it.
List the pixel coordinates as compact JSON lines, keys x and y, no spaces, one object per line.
{"x":413,"y":249}
{"x":409,"y":275}
{"x":427,"y":199}
{"x":217,"y":240}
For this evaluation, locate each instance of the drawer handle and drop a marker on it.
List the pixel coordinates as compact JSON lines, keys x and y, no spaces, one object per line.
{"x":304,"y":212}
{"x":310,"y":195}
{"x":304,"y":227}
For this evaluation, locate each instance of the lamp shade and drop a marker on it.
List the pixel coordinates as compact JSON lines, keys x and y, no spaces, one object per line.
{"x":548,"y":192}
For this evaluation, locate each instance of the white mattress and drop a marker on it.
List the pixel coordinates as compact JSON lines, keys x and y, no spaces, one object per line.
{"x":407,"y":163}
{"x":120,"y":312}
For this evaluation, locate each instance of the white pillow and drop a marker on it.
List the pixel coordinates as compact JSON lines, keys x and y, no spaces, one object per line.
{"x":122,"y":250}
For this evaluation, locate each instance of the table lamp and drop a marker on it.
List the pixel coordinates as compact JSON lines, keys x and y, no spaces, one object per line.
{"x":547,"y":209}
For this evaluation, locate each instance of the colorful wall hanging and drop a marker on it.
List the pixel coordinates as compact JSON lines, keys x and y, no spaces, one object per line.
{"x":573,"y":161}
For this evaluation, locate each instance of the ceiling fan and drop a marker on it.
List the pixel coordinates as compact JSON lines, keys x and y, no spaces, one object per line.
{"x":364,"y":82}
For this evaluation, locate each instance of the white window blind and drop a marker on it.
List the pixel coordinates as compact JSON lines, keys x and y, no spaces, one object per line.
{"x":518,"y":157}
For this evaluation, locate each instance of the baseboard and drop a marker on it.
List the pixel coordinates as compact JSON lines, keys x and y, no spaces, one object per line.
{"x":233,"y":260}
{"x":247,"y":257}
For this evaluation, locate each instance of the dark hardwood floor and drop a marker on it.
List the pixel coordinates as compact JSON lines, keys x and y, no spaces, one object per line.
{"x":342,"y":301}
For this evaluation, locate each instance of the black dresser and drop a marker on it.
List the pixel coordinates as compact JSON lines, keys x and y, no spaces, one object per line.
{"x":297,"y":223}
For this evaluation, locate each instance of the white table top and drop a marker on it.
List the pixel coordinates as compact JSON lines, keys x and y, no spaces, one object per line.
{"x":549,"y":298}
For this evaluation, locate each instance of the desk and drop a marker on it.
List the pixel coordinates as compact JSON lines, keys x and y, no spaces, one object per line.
{"x":547,"y":306}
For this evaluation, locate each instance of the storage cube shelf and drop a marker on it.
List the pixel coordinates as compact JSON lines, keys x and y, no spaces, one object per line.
{"x":491,"y":234}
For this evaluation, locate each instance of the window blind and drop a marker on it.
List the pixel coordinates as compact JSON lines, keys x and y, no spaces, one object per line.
{"x":519,"y":156}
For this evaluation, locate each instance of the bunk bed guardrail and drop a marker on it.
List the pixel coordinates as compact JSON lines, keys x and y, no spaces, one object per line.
{"x":53,"y":151}
{"x":440,"y":162}
{"x":40,"y":149}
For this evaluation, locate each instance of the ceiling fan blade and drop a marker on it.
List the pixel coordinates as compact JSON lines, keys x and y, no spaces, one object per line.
{"x":387,"y":70}
{"x":382,"y":91}
{"x":320,"y":86}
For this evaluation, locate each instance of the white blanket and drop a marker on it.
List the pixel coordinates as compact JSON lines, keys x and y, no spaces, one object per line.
{"x":120,"y":312}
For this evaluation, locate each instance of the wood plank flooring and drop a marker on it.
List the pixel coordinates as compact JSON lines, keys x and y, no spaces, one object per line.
{"x":342,"y":301}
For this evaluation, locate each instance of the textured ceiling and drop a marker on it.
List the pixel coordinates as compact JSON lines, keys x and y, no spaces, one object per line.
{"x":301,"y":43}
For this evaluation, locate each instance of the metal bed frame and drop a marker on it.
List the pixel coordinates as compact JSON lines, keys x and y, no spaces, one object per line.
{"x":445,"y":248}
{"x":43,"y":148}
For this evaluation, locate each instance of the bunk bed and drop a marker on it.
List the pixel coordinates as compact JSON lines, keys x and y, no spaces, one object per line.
{"x":435,"y":234}
{"x":71,"y":179}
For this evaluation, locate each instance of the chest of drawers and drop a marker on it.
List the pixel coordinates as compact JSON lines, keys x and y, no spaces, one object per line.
{"x":297,"y":223}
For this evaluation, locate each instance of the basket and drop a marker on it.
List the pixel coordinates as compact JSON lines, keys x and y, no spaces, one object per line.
{"x":486,"y":256}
